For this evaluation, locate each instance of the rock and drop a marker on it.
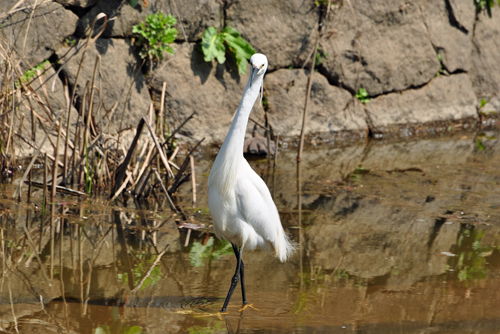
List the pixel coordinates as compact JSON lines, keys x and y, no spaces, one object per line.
{"x":485,"y":72}
{"x":384,"y":48}
{"x":463,"y":14}
{"x":48,"y":28}
{"x":77,"y":3}
{"x":330,"y":109}
{"x":195,"y":16}
{"x":444,"y":99}
{"x":195,"y":85}
{"x":283,"y":30}
{"x":118,"y":66}
{"x":492,"y":107}
{"x":449,"y":37}
{"x":257,"y":145}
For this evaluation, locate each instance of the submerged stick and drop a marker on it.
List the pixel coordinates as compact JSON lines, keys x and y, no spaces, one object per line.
{"x":59,"y":188}
{"x":32,"y":244}
{"x":158,"y":258}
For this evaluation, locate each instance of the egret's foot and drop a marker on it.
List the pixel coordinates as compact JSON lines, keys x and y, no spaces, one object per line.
{"x":248,"y":305}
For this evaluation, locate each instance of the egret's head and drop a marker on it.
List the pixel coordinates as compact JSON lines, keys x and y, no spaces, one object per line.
{"x":258,"y":64}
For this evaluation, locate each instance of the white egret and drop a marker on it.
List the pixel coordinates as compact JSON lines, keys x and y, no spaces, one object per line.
{"x":240,"y":203}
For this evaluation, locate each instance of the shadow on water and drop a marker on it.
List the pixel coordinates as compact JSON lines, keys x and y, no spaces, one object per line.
{"x":394,"y":238}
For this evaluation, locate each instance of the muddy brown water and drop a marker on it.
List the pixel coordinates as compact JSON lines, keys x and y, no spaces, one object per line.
{"x":394,"y":238}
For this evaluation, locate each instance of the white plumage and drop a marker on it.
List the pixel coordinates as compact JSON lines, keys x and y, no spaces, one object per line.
{"x":240,"y":203}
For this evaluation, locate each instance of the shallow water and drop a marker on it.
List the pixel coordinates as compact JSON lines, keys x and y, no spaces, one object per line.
{"x":394,"y":238}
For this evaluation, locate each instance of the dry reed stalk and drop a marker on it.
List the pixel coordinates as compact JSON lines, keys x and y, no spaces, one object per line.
{"x":82,"y":159}
{"x":193,"y":179}
{"x":12,"y":307}
{"x":121,"y":171}
{"x":169,"y":200}
{"x":179,"y":177}
{"x":276,"y":149}
{"x":141,"y":155}
{"x":308,"y":93}
{"x":56,"y":159}
{"x":17,"y":193}
{"x":162,"y":105}
{"x":77,"y":143}
{"x":142,"y":185}
{"x":188,"y":235}
{"x":45,"y":172}
{"x":68,"y":118}
{"x":173,"y":155}
{"x":309,"y":81}
{"x":179,"y":127}
{"x":159,"y":150}
{"x":86,"y":136}
{"x":144,"y":165}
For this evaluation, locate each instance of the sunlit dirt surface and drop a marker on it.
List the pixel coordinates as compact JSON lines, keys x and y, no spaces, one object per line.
{"x":393,"y":238}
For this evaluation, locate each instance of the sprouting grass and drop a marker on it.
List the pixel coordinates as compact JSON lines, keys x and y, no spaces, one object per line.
{"x":362,"y":96}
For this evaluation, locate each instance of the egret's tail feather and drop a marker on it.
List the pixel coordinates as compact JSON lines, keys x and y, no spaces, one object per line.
{"x":284,"y":247}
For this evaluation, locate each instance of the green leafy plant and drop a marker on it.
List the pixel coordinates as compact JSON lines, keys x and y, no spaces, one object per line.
{"x":321,"y":3}
{"x":362,"y":95}
{"x":480,"y":145}
{"x":156,"y":35}
{"x":215,"y":45}
{"x":32,"y":73}
{"x":485,"y":4}
{"x":441,"y":69}
{"x":320,"y":55}
{"x":70,"y":41}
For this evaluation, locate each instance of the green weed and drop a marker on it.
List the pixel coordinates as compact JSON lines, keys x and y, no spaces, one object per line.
{"x":441,"y":69}
{"x":321,"y":55}
{"x":485,"y":4}
{"x":32,"y":73}
{"x":156,"y":35}
{"x":215,"y":45}
{"x":362,"y":96}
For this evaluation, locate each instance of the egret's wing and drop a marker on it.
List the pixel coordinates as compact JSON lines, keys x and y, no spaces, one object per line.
{"x":256,"y":206}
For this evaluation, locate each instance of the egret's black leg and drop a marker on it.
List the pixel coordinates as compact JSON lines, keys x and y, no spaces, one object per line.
{"x":236,"y":277}
{"x":242,"y":275}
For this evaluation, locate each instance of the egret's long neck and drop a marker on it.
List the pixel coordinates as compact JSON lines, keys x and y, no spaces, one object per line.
{"x":233,"y":144}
